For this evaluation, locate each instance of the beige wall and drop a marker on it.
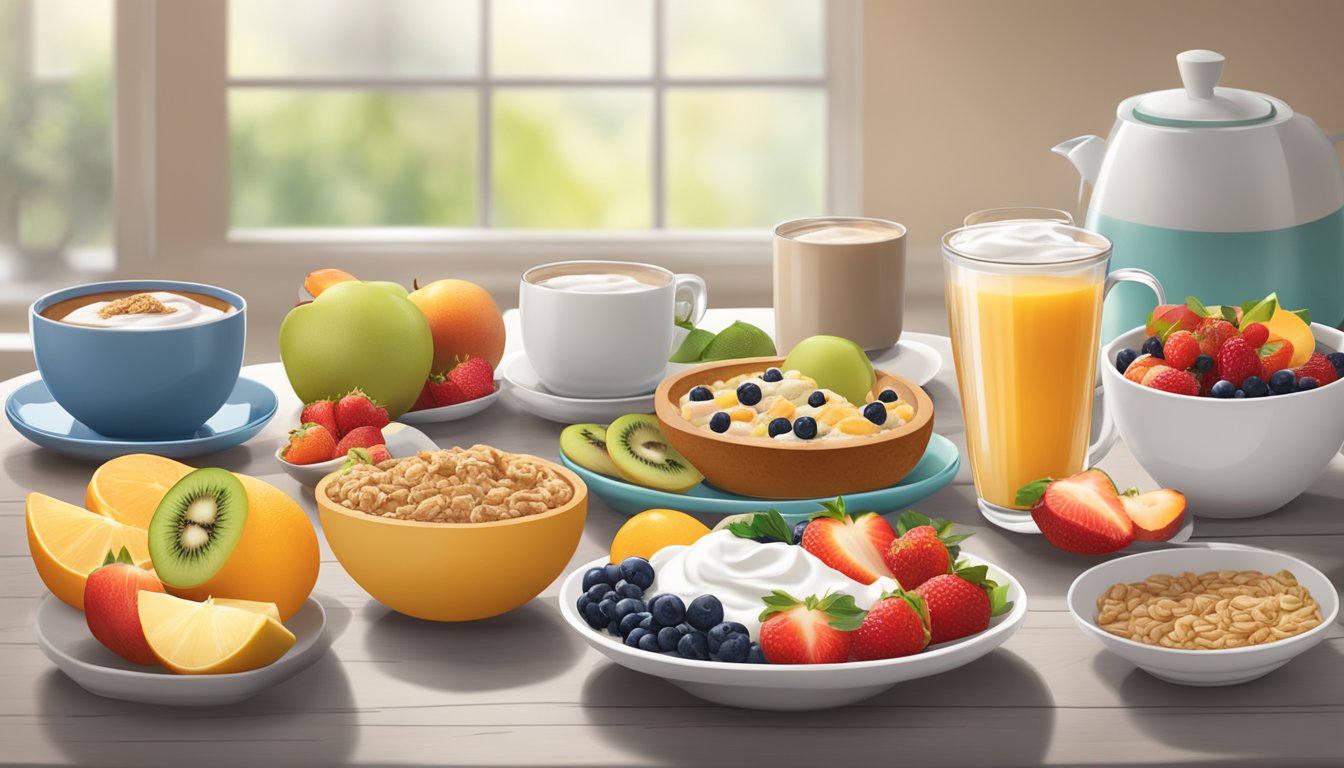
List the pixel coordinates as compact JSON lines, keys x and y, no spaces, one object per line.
{"x":964,"y":98}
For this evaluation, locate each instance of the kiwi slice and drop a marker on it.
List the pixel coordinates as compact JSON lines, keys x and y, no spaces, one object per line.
{"x":586,"y":445}
{"x":196,"y":526}
{"x":643,"y":456}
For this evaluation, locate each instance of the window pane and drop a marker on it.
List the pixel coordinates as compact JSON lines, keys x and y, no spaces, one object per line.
{"x":354,"y":38}
{"x":744,"y":157}
{"x":69,"y":36}
{"x":745,"y":38}
{"x":566,"y":158}
{"x":342,"y":158}
{"x":571,"y":38}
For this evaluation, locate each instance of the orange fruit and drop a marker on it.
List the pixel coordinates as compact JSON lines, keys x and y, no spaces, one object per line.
{"x":129,"y":488}
{"x":1285,"y":325}
{"x":651,"y":530}
{"x":320,"y":280}
{"x":67,"y":543}
{"x":211,"y":637}
{"x":464,"y":320}
{"x":275,"y":559}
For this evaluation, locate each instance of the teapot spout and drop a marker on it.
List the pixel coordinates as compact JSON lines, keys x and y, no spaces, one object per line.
{"x":1086,"y":154}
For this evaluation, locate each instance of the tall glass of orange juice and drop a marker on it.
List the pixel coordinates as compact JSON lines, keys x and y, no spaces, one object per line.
{"x":1024,"y":305}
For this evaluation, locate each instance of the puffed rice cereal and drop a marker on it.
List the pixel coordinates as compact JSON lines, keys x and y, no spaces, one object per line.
{"x":479,"y":484}
{"x":1214,"y":610}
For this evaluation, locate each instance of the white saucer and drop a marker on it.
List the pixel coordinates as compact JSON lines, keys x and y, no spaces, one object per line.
{"x":527,"y":389}
{"x":451,"y":412}
{"x":401,"y":441}
{"x":1021,"y":522}
{"x":910,"y":359}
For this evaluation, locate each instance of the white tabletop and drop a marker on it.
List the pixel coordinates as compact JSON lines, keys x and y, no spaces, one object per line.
{"x":521,"y":689}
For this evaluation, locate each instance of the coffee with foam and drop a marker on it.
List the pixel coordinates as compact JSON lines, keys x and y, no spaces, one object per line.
{"x":596,"y":282}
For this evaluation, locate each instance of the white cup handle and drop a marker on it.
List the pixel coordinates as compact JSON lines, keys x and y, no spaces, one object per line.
{"x":699,"y":295}
{"x":1109,"y":434}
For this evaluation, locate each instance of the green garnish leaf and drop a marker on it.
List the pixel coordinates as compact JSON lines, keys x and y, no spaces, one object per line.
{"x":839,"y":607}
{"x":999,"y":603}
{"x":1260,"y":311}
{"x":1303,"y":314}
{"x":1196,"y":306}
{"x":1029,"y":494}
{"x":1269,"y":348}
{"x":1229,"y":314}
{"x":910,"y":519}
{"x":833,"y":509}
{"x":119,"y":558}
{"x":768,"y":524}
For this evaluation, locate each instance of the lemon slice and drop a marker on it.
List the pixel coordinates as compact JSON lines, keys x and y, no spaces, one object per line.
{"x":213,"y":637}
{"x":67,"y":543}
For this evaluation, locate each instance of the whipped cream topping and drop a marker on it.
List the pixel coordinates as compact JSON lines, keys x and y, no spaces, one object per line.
{"x":741,"y":571}
{"x":188,"y":312}
{"x":1024,"y":242}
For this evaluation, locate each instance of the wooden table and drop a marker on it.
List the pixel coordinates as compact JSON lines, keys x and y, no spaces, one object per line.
{"x":521,"y":688}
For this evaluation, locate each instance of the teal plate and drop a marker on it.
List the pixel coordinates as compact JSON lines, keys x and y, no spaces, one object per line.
{"x":933,"y":473}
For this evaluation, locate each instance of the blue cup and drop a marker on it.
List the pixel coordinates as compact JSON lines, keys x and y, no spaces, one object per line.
{"x":140,"y":383}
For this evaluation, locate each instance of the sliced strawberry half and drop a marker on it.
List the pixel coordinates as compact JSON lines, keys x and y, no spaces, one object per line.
{"x":1157,"y":515}
{"x":853,"y":546}
{"x":814,"y":630}
{"x":1082,"y":514}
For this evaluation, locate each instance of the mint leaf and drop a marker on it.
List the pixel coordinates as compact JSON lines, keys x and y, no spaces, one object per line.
{"x":1197,"y":307}
{"x":999,"y":603}
{"x":1260,"y":311}
{"x":763,"y":525}
{"x":1229,"y":314}
{"x":1029,"y":494}
{"x":910,"y":519}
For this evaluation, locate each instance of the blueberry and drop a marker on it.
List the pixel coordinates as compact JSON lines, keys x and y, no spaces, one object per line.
{"x":704,"y":612}
{"x":693,"y":646}
{"x":613,"y":573}
{"x":876,"y":413}
{"x":780,"y":426}
{"x":1153,"y":346}
{"x":700,"y":394}
{"x":594,"y":576}
{"x":888,"y":396}
{"x":756,"y":655}
{"x":668,"y":637}
{"x":630,"y":621}
{"x":1123,"y":358}
{"x":1222,"y":389}
{"x":647,"y":622}
{"x":668,"y":610}
{"x":632,"y":639}
{"x":1204,"y":363}
{"x":798,"y":529}
{"x":805,"y":427}
{"x":649,"y":642}
{"x":722,"y":630}
{"x":772,"y":374}
{"x":1306,"y":383}
{"x":613,"y":628}
{"x":627,"y":606}
{"x":593,"y":614}
{"x":583,"y":602}
{"x":816,"y":399}
{"x":1282,"y":382}
{"x":1254,"y":386}
{"x":626,"y":589}
{"x":720,"y":422}
{"x":735,"y":648}
{"x":1337,"y":359}
{"x":1239,"y":394}
{"x":637,"y":571}
{"x":748,"y":393}
{"x":685,"y":628}
{"x":597,"y":591}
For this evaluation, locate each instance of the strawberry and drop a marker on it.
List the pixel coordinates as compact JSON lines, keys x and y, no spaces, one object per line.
{"x":372,"y":455}
{"x":425,"y":399}
{"x":1174,"y":381}
{"x":897,"y":625}
{"x":1157,"y":515}
{"x":811,"y":631}
{"x":1237,"y":360}
{"x":1082,"y":514}
{"x":956,"y":607}
{"x":1255,"y":334}
{"x":1136,"y":370}
{"x":1318,"y":368}
{"x":1274,"y":356}
{"x":852,"y":546}
{"x":357,"y":410}
{"x":1153,"y":372}
{"x":1181,"y":349}
{"x":309,"y":444}
{"x":1212,"y":333}
{"x":924,"y":548}
{"x":321,"y":412}
{"x":359,"y":437}
{"x":445,"y":391}
{"x":474,"y":377}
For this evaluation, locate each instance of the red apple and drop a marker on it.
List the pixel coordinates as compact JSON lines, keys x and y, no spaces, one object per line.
{"x":1169,"y":318}
{"x":111,"y":597}
{"x":1157,"y":515}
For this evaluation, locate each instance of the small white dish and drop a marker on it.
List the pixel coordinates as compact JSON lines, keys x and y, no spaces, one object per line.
{"x":796,"y":687}
{"x":401,"y":440}
{"x":451,"y":412}
{"x":1021,"y":522}
{"x":1211,"y":667}
{"x":527,"y":389}
{"x":910,"y":359}
{"x":64,"y":637}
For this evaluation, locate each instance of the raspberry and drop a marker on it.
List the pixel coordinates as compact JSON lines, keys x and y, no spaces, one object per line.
{"x":1318,"y":368}
{"x":1274,"y":356}
{"x":1236,"y":360}
{"x":1212,"y":333}
{"x":1181,"y":350}
{"x":1140,"y":366}
{"x":1176,"y":382}
{"x":1255,"y":334}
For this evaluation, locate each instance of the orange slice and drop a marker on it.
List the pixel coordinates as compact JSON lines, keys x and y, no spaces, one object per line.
{"x":67,"y":543}
{"x":129,"y":488}
{"x":210,"y":638}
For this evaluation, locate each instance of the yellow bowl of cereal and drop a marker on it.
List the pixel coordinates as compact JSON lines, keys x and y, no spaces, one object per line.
{"x":456,"y":534}
{"x":1205,"y":614}
{"x":844,"y":450}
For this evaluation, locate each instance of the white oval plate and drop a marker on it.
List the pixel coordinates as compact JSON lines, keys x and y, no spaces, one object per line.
{"x":64,"y":637}
{"x":796,"y":687}
{"x":401,"y":441}
{"x":451,"y":412}
{"x":527,"y":389}
{"x":910,"y":359}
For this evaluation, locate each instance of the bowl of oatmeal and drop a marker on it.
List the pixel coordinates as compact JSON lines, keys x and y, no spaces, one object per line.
{"x":455,"y":534}
{"x":844,"y":448}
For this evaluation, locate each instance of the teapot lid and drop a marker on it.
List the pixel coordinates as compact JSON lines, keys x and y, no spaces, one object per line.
{"x":1200,"y":104}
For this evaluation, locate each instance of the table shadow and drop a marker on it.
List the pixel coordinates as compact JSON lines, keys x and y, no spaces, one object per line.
{"x":30,"y":468}
{"x":631,"y":710}
{"x":310,"y":719}
{"x":519,"y":648}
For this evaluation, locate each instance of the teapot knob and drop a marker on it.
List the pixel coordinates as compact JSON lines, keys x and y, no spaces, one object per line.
{"x":1200,"y":72}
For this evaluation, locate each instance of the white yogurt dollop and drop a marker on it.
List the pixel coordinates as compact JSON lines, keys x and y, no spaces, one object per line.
{"x":741,"y":571}
{"x":189,"y":312}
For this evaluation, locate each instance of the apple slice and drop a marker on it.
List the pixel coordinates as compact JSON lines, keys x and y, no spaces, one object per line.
{"x":1082,"y":514}
{"x":1157,"y":515}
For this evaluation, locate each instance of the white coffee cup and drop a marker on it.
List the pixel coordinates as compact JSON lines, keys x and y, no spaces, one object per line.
{"x":603,"y":328}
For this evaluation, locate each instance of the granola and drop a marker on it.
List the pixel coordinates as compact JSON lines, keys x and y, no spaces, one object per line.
{"x":136,"y":304}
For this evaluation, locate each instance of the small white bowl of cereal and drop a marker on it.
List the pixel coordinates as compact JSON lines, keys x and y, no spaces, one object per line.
{"x":1205,"y":614}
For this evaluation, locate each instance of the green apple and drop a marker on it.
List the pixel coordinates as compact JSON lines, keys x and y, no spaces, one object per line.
{"x":358,"y":334}
{"x":836,"y":364}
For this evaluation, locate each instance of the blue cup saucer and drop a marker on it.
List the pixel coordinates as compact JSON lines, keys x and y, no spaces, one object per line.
{"x":37,"y":416}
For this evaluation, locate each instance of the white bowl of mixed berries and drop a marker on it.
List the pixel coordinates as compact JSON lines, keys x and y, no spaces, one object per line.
{"x":1239,"y":407}
{"x":338,"y":433}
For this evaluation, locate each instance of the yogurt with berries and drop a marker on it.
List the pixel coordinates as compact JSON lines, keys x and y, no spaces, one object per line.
{"x":786,"y":405}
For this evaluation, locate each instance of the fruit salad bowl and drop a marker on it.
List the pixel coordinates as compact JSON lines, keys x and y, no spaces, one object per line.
{"x":798,"y":687}
{"x":1232,"y":458}
{"x":795,"y":469}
